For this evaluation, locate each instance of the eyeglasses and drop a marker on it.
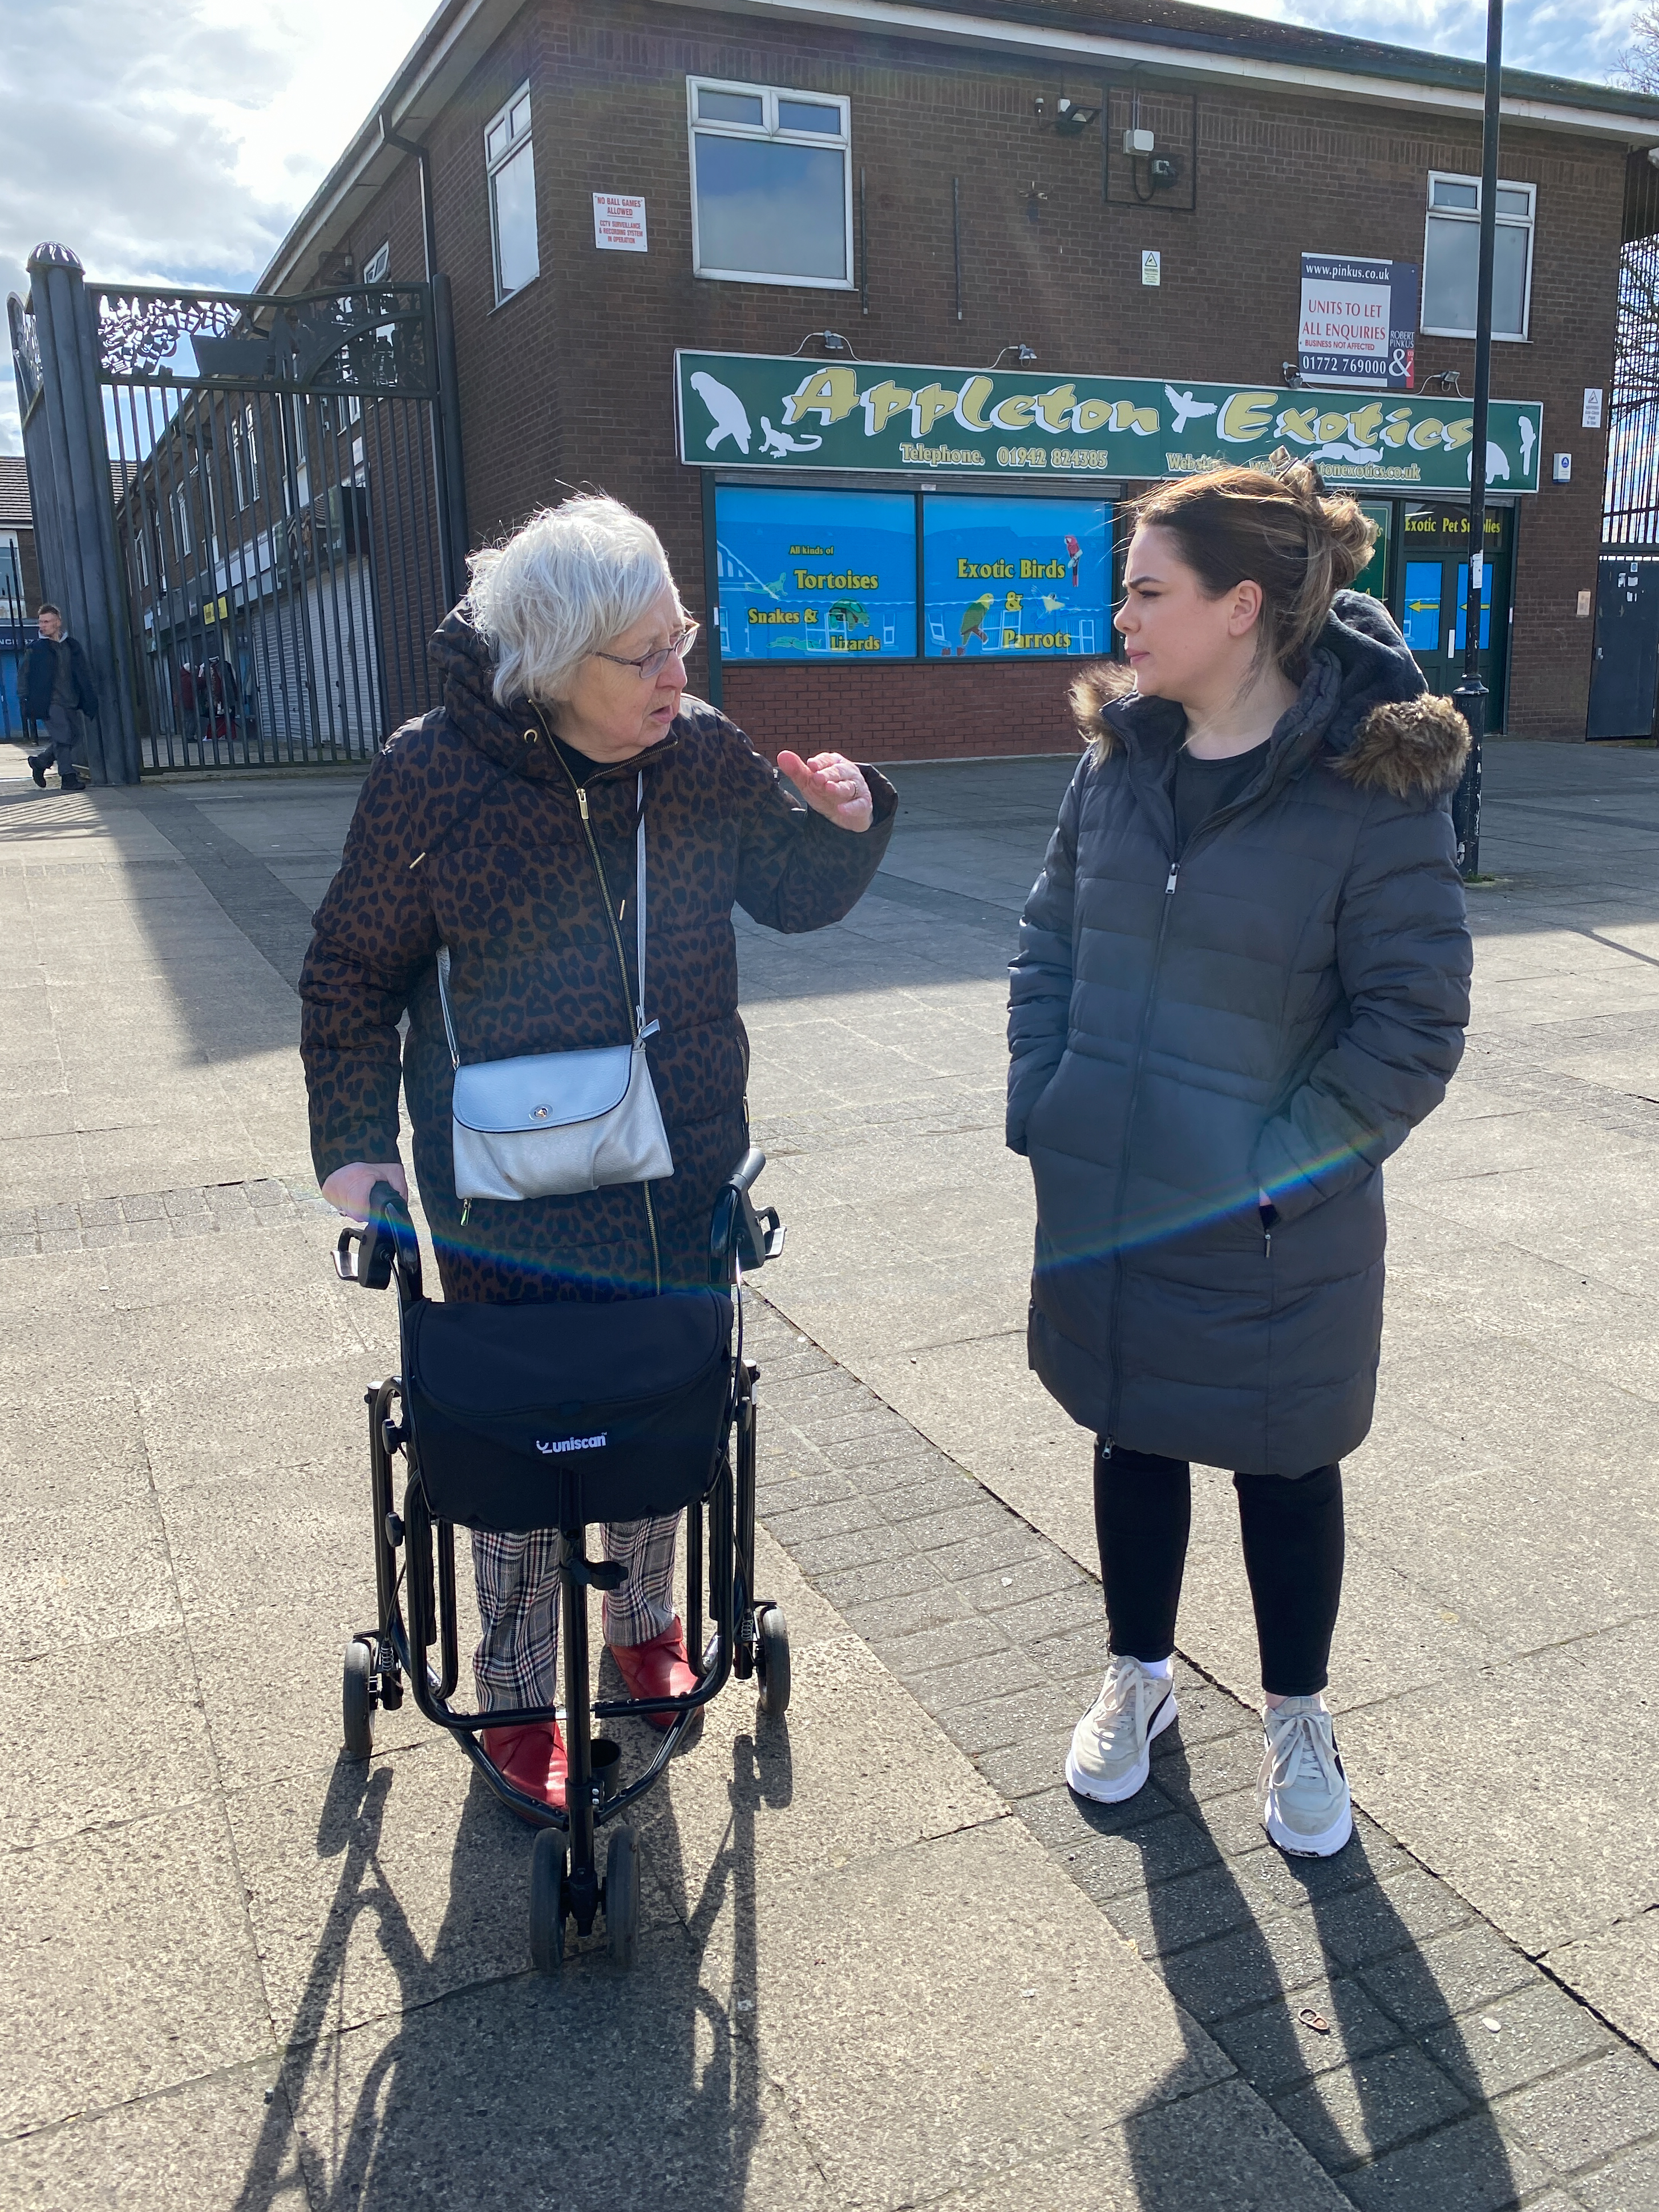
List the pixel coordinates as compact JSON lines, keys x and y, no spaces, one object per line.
{"x":650,"y":665}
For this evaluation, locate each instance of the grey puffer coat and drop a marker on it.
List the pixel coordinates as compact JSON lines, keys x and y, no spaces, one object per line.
{"x":1273,"y":1011}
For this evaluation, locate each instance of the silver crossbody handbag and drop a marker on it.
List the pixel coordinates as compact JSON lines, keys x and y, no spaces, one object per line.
{"x":549,"y":1123}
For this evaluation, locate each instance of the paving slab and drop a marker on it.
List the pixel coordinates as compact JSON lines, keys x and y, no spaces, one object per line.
{"x":130,"y":1967}
{"x":888,"y":1959}
{"x":223,"y":2140}
{"x":1618,"y":1972}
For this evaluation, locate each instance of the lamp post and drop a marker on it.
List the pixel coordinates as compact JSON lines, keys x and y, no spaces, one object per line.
{"x":1471,"y":693}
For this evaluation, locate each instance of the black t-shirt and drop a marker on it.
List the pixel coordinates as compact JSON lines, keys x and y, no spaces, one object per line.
{"x":1202,"y":787}
{"x":578,"y":763}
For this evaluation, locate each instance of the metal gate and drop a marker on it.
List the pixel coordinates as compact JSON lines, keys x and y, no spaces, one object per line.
{"x":279,"y":517}
{"x":1625,"y":674}
{"x":284,"y":525}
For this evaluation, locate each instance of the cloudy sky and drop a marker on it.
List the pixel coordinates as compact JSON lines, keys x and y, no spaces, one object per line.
{"x":173,"y":140}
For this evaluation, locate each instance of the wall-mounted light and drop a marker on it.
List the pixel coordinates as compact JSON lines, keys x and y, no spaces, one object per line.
{"x":1072,"y":119}
{"x":1022,"y":355}
{"x":1292,"y":375}
{"x":1445,"y":382}
{"x":831,"y":340}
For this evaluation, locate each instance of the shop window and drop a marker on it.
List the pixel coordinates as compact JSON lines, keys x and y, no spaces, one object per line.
{"x":375,"y":268}
{"x":11,"y":567}
{"x":1451,"y":256}
{"x":509,"y":160}
{"x":808,"y":575}
{"x":771,"y":186}
{"x":1015,"y":579}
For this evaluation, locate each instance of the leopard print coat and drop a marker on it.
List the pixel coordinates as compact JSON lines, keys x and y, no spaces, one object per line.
{"x":468,"y":833}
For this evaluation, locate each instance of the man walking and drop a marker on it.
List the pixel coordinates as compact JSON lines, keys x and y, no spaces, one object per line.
{"x":56,"y":681}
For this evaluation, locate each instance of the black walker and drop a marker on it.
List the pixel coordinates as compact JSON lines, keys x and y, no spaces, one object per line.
{"x":416,"y":1603}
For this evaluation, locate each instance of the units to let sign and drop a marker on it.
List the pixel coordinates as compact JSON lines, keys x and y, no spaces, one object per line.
{"x":1358,"y":321}
{"x":764,"y":411}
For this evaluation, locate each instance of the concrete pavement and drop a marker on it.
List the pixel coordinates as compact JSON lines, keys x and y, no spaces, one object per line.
{"x":889,"y":1961}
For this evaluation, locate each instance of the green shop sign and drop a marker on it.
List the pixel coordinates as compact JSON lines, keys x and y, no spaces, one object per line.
{"x":769,"y":411}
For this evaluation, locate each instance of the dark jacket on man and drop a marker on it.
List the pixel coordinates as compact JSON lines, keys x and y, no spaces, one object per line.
{"x":468,"y":833}
{"x":39,"y":673}
{"x":1271,"y":1009}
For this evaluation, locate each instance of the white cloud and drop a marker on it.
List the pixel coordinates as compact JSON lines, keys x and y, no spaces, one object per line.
{"x":1582,"y":41}
{"x":175,"y":140}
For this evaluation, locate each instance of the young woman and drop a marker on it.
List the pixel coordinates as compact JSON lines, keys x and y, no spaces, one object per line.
{"x":1242,"y":978}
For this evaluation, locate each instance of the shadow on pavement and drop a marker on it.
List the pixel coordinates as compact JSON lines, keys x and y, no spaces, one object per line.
{"x":1269,"y":1952}
{"x":635,"y":2089}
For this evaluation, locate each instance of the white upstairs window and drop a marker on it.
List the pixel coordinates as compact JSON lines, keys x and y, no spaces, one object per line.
{"x":771,"y":185}
{"x":1451,"y":256}
{"x":510,"y":162}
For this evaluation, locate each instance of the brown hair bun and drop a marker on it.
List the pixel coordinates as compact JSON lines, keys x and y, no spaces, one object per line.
{"x":1281,"y":530}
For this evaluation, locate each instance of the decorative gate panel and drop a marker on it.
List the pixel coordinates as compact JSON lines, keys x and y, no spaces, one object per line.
{"x":283,"y":516}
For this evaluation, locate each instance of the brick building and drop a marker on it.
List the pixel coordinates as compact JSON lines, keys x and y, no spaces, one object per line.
{"x":20,"y":570}
{"x":1114,"y":198}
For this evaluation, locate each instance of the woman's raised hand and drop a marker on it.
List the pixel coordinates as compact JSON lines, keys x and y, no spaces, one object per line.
{"x":348,"y":1188}
{"x":832,"y":786}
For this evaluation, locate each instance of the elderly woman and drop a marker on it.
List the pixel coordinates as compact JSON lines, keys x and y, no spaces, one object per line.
{"x":502,"y":827}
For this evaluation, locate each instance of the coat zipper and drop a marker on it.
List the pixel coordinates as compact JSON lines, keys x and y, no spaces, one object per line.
{"x":622,"y":966}
{"x":1113,"y":1330}
{"x":1204,"y":830}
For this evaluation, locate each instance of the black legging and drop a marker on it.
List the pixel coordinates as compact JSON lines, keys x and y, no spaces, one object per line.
{"x":1292,"y":1531}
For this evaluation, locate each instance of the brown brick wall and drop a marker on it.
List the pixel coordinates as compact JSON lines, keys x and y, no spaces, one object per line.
{"x":908,"y":710}
{"x":570,"y":382}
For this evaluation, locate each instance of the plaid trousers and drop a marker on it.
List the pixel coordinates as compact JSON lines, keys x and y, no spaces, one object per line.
{"x":516,"y":1663}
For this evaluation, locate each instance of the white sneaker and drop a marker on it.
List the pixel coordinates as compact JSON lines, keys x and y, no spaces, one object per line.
{"x":1304,"y":1791}
{"x":1108,"y":1759}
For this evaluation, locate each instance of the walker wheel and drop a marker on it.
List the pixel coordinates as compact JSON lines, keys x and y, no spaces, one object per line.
{"x":548,"y":1860}
{"x":772,"y":1660}
{"x":357,"y":1700}
{"x":622,"y":1896}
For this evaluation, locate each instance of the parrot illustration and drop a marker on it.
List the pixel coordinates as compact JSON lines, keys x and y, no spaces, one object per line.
{"x":1075,"y":551}
{"x":1051,"y":606}
{"x":973,"y":619}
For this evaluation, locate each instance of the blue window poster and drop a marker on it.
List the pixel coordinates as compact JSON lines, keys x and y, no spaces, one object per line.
{"x":806,"y":575}
{"x":1015,"y":579}
{"x":1461,"y":630}
{"x":1422,"y":630}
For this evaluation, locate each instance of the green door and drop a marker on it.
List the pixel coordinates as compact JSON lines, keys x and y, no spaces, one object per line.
{"x":1433,"y":588}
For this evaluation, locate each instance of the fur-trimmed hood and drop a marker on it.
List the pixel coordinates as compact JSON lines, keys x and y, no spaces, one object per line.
{"x":1364,"y":702}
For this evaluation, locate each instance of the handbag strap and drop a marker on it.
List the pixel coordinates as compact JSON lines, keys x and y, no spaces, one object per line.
{"x":641,"y":1028}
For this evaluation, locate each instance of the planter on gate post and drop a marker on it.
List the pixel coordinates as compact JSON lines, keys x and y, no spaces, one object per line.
{"x":69,"y":473}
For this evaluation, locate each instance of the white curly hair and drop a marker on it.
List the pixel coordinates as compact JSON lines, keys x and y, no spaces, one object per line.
{"x":573,"y":577}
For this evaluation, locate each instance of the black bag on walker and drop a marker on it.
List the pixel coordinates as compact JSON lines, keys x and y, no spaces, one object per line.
{"x":547,"y":1416}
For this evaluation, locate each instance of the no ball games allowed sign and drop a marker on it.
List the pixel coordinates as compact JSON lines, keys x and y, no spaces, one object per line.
{"x":1358,"y":321}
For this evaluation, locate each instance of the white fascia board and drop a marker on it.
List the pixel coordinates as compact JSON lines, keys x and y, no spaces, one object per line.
{"x":1111,"y":51}
{"x":367,"y":165}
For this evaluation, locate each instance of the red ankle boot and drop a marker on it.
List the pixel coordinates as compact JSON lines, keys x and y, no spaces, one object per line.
{"x":531,"y":1759}
{"x":659,"y":1668}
